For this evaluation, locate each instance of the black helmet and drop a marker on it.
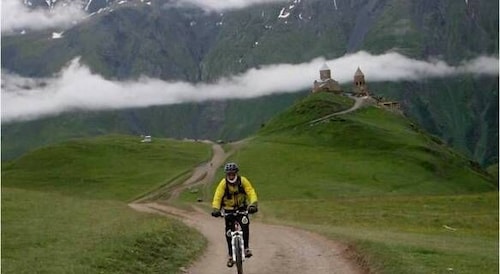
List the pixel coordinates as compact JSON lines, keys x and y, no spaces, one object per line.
{"x":231,"y":168}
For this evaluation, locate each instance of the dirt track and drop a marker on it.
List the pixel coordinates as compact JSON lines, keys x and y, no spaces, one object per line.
{"x":277,"y":249}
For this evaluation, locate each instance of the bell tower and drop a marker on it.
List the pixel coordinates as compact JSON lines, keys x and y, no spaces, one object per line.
{"x":360,"y":87}
{"x":359,"y":78}
{"x":325,"y":73}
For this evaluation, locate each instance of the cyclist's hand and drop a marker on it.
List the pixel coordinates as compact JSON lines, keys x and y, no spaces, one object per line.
{"x":216,"y":213}
{"x":252,"y":208}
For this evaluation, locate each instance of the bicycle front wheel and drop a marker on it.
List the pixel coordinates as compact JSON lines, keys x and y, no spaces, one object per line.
{"x":239,"y":255}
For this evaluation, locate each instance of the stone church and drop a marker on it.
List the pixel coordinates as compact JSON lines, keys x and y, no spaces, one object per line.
{"x":326,"y":83}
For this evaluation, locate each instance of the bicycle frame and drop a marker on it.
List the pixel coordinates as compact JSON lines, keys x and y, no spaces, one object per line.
{"x":237,"y":233}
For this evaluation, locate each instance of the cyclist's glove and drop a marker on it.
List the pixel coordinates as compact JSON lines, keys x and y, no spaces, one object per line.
{"x":216,"y":213}
{"x":252,"y":208}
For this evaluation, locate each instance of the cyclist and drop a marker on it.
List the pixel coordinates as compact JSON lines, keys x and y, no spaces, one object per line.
{"x":233,"y":193}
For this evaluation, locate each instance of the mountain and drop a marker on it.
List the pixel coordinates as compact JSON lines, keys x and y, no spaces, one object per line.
{"x":89,"y":6}
{"x":439,"y":105}
{"x":162,"y":40}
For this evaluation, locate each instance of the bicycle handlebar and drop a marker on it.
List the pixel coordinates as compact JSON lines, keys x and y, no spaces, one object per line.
{"x":235,"y":213}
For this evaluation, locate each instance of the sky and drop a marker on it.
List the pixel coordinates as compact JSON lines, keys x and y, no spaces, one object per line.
{"x":75,"y":87}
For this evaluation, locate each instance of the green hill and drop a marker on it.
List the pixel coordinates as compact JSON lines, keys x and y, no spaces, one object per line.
{"x":64,"y":207}
{"x":401,"y":198}
{"x":372,"y":149}
{"x":108,"y":167}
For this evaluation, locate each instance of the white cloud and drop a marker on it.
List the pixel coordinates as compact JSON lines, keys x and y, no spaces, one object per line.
{"x":393,"y":66}
{"x":76,"y":88}
{"x":218,"y":5}
{"x":16,"y":16}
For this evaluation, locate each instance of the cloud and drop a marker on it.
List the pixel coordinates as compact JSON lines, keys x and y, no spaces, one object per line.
{"x":218,"y":5}
{"x":393,"y":66}
{"x":16,"y":16}
{"x":76,"y":88}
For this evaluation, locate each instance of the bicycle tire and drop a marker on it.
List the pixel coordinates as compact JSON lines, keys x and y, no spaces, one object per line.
{"x":239,"y":255}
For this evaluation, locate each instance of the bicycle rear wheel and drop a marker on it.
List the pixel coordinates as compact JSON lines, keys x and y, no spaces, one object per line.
{"x":239,"y":255}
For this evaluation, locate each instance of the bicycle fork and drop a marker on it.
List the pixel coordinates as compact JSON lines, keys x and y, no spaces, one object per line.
{"x":234,"y":235}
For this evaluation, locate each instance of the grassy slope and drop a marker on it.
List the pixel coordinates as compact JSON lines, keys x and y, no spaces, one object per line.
{"x":371,"y":178}
{"x":493,"y":170}
{"x":44,"y":232}
{"x":106,"y":167}
{"x":64,"y":210}
{"x":222,"y":120}
{"x":440,"y":109}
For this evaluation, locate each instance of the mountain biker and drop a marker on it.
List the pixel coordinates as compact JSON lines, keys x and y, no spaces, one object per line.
{"x":233,"y":193}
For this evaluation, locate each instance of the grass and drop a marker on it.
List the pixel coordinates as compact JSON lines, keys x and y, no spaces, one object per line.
{"x":52,"y":233}
{"x":372,"y":179}
{"x":398,"y":196}
{"x":354,"y":155}
{"x":459,"y":214}
{"x":493,"y":170}
{"x":111,"y":167}
{"x":64,"y":208}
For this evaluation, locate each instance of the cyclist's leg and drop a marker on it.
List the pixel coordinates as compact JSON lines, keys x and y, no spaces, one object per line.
{"x":229,"y":226}
{"x":245,"y":226}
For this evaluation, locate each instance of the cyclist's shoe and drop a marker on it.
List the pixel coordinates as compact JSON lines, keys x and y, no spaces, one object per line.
{"x":230,"y":262}
{"x":248,"y":253}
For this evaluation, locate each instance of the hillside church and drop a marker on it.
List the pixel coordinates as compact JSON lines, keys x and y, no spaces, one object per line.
{"x":359,"y":88}
{"x":327,"y":84}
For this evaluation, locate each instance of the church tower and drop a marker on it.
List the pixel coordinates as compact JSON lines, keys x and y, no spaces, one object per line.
{"x":325,"y":73}
{"x":360,"y":87}
{"x":359,"y":78}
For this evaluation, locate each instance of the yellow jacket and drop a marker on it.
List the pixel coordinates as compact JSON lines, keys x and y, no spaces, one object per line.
{"x":234,"y":199}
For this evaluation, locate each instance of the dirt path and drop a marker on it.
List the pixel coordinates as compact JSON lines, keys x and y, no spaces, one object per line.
{"x":358,"y":103}
{"x":277,"y":249}
{"x":204,"y":173}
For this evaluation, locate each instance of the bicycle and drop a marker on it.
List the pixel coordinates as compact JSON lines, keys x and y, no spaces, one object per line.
{"x":237,"y":241}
